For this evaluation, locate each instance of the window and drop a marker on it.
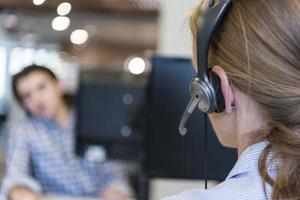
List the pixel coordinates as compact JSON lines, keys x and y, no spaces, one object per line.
{"x":67,"y":72}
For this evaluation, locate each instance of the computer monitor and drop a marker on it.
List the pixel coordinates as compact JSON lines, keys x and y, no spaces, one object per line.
{"x":107,"y":103}
{"x":168,"y":154}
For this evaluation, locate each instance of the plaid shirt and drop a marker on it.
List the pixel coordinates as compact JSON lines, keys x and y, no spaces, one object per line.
{"x":41,"y":157}
{"x":243,"y":182}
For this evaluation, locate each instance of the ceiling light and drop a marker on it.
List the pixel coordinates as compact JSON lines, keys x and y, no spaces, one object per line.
{"x":60,"y":23}
{"x":79,"y":36}
{"x":10,"y":22}
{"x":91,"y":29}
{"x":38,"y":2}
{"x":137,"y":66}
{"x":64,"y":8}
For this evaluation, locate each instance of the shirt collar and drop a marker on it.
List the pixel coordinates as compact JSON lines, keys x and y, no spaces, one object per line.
{"x":248,"y":161}
{"x":50,"y":123}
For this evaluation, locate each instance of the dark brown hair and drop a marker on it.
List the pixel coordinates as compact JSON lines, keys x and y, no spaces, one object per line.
{"x":258,"y":45}
{"x":25,"y":72}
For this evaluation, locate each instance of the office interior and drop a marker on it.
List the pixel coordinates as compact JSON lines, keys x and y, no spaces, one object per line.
{"x":126,"y":65}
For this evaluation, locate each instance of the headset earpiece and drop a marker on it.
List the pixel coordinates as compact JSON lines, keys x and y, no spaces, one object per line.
{"x":215,"y":81}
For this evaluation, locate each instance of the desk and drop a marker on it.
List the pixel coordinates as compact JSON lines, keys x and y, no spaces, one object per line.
{"x":66,"y":198}
{"x":69,"y":198}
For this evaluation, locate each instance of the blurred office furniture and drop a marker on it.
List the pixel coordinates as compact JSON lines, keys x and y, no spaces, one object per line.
{"x":69,"y":198}
{"x":107,"y":103}
{"x":108,"y":106}
{"x":3,"y":110}
{"x":66,"y":198}
{"x":168,"y":154}
{"x":160,"y":188}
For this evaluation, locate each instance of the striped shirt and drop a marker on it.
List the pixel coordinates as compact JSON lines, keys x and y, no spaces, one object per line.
{"x":242,"y":183}
{"x":41,"y":157}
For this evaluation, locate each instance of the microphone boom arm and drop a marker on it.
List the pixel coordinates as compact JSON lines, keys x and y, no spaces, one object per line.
{"x":187,"y":113}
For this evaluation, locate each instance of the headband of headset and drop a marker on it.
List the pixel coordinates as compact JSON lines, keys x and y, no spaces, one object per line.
{"x":208,"y":22}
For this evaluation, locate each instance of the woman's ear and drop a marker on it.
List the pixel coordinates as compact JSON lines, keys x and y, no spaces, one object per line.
{"x":227,"y":89}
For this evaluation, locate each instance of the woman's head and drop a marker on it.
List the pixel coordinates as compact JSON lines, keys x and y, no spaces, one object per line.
{"x":38,"y":91}
{"x":258,"y":48}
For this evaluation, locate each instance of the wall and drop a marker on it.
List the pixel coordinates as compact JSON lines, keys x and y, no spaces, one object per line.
{"x":174,"y":33}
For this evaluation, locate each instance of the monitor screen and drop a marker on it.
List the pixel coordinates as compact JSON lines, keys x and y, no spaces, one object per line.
{"x":168,"y":153}
{"x":106,"y":111}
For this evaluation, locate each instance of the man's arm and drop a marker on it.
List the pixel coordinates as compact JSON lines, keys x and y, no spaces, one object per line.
{"x":116,"y":183}
{"x":18,"y":177}
{"x":22,"y":193}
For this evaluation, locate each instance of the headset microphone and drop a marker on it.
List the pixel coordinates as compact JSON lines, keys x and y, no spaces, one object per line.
{"x":186,"y":115}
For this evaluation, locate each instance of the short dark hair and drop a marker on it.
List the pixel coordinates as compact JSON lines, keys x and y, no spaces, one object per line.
{"x":25,"y":72}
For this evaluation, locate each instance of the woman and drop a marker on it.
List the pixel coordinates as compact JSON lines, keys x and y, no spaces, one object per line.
{"x":256,"y":54}
{"x":41,"y":156}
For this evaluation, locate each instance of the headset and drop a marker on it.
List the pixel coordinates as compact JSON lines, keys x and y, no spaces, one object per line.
{"x":205,"y":89}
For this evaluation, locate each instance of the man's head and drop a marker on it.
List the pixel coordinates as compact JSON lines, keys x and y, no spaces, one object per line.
{"x":38,"y":91}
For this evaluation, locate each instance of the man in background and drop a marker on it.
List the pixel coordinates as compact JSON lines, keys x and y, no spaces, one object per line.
{"x":41,"y":151}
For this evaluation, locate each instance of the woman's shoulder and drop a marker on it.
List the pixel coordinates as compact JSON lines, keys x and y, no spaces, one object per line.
{"x":247,"y":187}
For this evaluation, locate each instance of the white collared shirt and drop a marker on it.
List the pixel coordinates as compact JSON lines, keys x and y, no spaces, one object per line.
{"x":243,"y":182}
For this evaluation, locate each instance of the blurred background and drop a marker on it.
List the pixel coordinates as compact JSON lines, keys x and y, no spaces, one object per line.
{"x":96,"y":34}
{"x":104,"y":51}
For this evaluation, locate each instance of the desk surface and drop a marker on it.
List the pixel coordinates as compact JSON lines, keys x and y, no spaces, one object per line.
{"x":66,"y":198}
{"x":69,"y":198}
